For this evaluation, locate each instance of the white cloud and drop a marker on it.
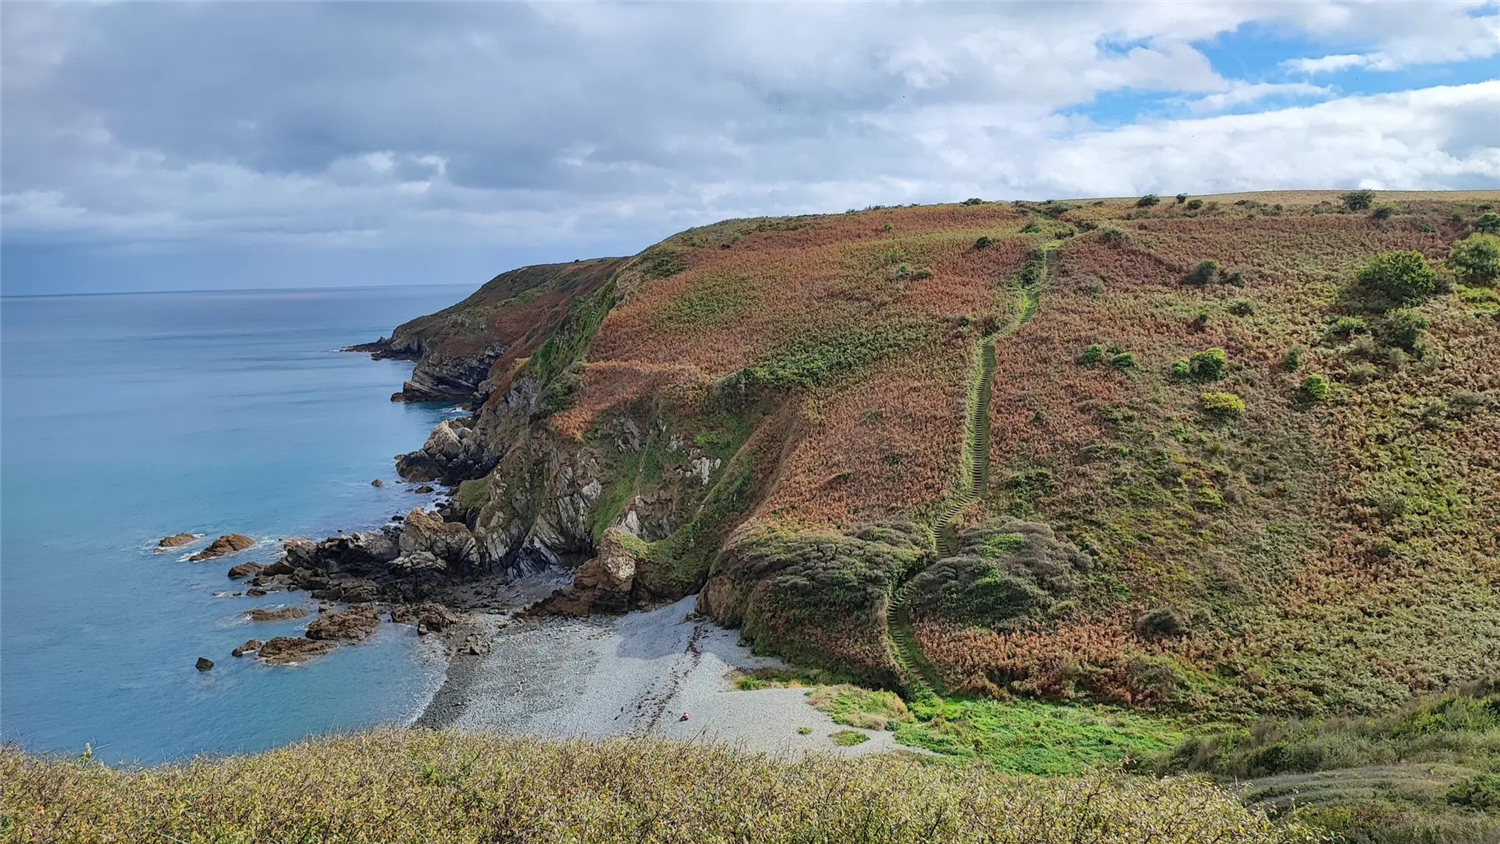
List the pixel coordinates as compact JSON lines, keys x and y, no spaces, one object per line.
{"x":1245,"y":93}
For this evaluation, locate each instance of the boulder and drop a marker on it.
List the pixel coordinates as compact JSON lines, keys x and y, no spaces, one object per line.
{"x":429,"y":617}
{"x":283,"y":614}
{"x":249,"y":647}
{"x":176,"y":540}
{"x":283,"y":650}
{"x":604,"y":583}
{"x":355,"y":623}
{"x":205,"y":664}
{"x":377,"y":483}
{"x":245,"y":570}
{"x":450,"y":542}
{"x":424,"y":489}
{"x":229,"y":543}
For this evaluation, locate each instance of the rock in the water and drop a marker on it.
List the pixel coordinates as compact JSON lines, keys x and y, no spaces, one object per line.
{"x":355,"y":623}
{"x":424,"y":489}
{"x":205,"y":664}
{"x":176,"y":540}
{"x":225,"y":545}
{"x":377,"y":483}
{"x":245,"y":570}
{"x":429,"y":617}
{"x":251,"y":646}
{"x":283,"y":614}
{"x":288,"y":649}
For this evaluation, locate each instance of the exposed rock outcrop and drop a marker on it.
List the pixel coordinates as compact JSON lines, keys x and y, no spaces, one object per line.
{"x":250,"y":646}
{"x":204,"y":664}
{"x":354,"y":623}
{"x":245,"y":570}
{"x":453,"y":453}
{"x":283,"y":614}
{"x":176,"y":540}
{"x":429,"y":617}
{"x":284,"y":650}
{"x":229,"y":543}
{"x":603,"y":584}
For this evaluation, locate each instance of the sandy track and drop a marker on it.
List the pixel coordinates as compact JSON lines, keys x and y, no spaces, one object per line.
{"x":632,"y":675}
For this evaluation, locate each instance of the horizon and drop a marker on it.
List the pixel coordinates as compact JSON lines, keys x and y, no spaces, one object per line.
{"x":177,"y":147}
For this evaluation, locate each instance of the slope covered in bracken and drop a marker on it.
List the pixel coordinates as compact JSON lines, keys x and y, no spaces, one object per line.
{"x":1221,"y":475}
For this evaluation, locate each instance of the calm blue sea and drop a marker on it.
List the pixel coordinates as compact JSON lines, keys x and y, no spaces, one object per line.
{"x":125,"y":418}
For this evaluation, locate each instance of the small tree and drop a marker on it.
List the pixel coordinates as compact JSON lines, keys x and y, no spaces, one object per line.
{"x":1399,"y":276}
{"x":1194,"y":204}
{"x":1476,"y":259}
{"x":1181,"y":198}
{"x":1358,"y":200}
{"x":1147,"y":201}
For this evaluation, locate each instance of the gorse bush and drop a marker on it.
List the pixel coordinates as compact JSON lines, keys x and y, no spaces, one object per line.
{"x":1404,"y":326}
{"x":1181,"y":198}
{"x":1194,"y":204}
{"x":1488,"y":223}
{"x":1384,"y":212}
{"x":1358,"y":200}
{"x":417,"y":786}
{"x":1222,"y":405}
{"x":1315,"y":387}
{"x":1208,"y":365}
{"x":1091,"y":355}
{"x":1476,"y":259}
{"x":1347,"y":326}
{"x":1399,"y":276}
{"x":1147,"y":201}
{"x":1207,"y":272}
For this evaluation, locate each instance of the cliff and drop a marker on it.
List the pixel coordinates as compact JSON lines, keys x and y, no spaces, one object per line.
{"x":1186,"y":454}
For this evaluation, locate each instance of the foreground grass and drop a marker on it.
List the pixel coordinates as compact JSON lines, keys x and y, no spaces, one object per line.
{"x":409,"y":786}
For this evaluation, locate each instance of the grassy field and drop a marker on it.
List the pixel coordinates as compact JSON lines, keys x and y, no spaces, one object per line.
{"x":419,"y":786}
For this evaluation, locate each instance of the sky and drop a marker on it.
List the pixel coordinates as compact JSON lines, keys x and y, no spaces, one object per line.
{"x":154,"y":146}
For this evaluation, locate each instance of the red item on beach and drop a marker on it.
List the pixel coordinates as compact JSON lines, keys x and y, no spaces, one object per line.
{"x":684,"y":717}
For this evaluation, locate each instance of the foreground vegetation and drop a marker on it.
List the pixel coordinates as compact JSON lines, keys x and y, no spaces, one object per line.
{"x":418,"y":786}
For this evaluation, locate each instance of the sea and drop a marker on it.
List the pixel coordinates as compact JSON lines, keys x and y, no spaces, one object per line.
{"x":126,"y":418}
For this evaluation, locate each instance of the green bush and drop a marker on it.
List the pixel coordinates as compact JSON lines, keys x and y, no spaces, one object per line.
{"x":1488,"y":223}
{"x":1123,"y":361}
{"x":1181,"y":369}
{"x":1358,"y":200}
{"x":1399,"y":276}
{"x":1208,"y":365}
{"x":973,"y":200}
{"x":1222,"y":405}
{"x":1147,"y":201}
{"x":1091,"y":355}
{"x":1481,"y":792}
{"x":1293,"y":360}
{"x":983,"y":243}
{"x":1315,"y":387}
{"x":1207,"y":272}
{"x":1404,"y":327}
{"x":1476,"y":259}
{"x":1181,"y":198}
{"x":1347,"y":326}
{"x":1384,"y":212}
{"x":1194,"y":204}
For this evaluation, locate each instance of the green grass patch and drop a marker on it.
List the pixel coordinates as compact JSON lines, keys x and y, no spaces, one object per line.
{"x":848,"y":738}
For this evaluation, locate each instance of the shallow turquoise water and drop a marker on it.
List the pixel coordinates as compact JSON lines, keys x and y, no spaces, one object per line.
{"x":127,"y":418}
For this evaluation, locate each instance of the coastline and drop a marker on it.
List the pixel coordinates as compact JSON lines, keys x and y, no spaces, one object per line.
{"x":629,"y":675}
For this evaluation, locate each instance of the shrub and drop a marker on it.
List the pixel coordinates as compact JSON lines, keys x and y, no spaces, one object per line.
{"x":1481,"y":792}
{"x":1361,"y":373}
{"x":1404,"y":327}
{"x":1222,"y":406}
{"x":1123,"y":361}
{"x":1208,"y":365}
{"x":1384,"y":212}
{"x":1476,"y":259}
{"x":1241,"y":307}
{"x":983,"y":243}
{"x":1293,"y":360}
{"x":1031,"y":228}
{"x":1347,"y":326}
{"x":1181,"y":198}
{"x":1358,"y":200}
{"x":1207,"y":272}
{"x":1091,"y":355}
{"x":1315,"y":387}
{"x":973,"y":200}
{"x":1161,"y":623}
{"x":1488,"y":223}
{"x":1147,"y":201}
{"x":1194,"y":204}
{"x":1399,"y":276}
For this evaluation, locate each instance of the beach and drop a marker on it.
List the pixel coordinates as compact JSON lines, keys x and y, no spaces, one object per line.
{"x":635,"y":674}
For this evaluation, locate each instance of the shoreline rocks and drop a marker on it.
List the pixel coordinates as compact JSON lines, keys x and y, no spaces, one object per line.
{"x":429,"y":617}
{"x":176,"y":540}
{"x":356,"y":623}
{"x":245,"y":570}
{"x":229,"y":543}
{"x":250,"y":646}
{"x":283,"y":614}
{"x":283,"y":650}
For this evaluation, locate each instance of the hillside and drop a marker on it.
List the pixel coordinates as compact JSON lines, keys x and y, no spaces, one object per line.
{"x":1169,"y":455}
